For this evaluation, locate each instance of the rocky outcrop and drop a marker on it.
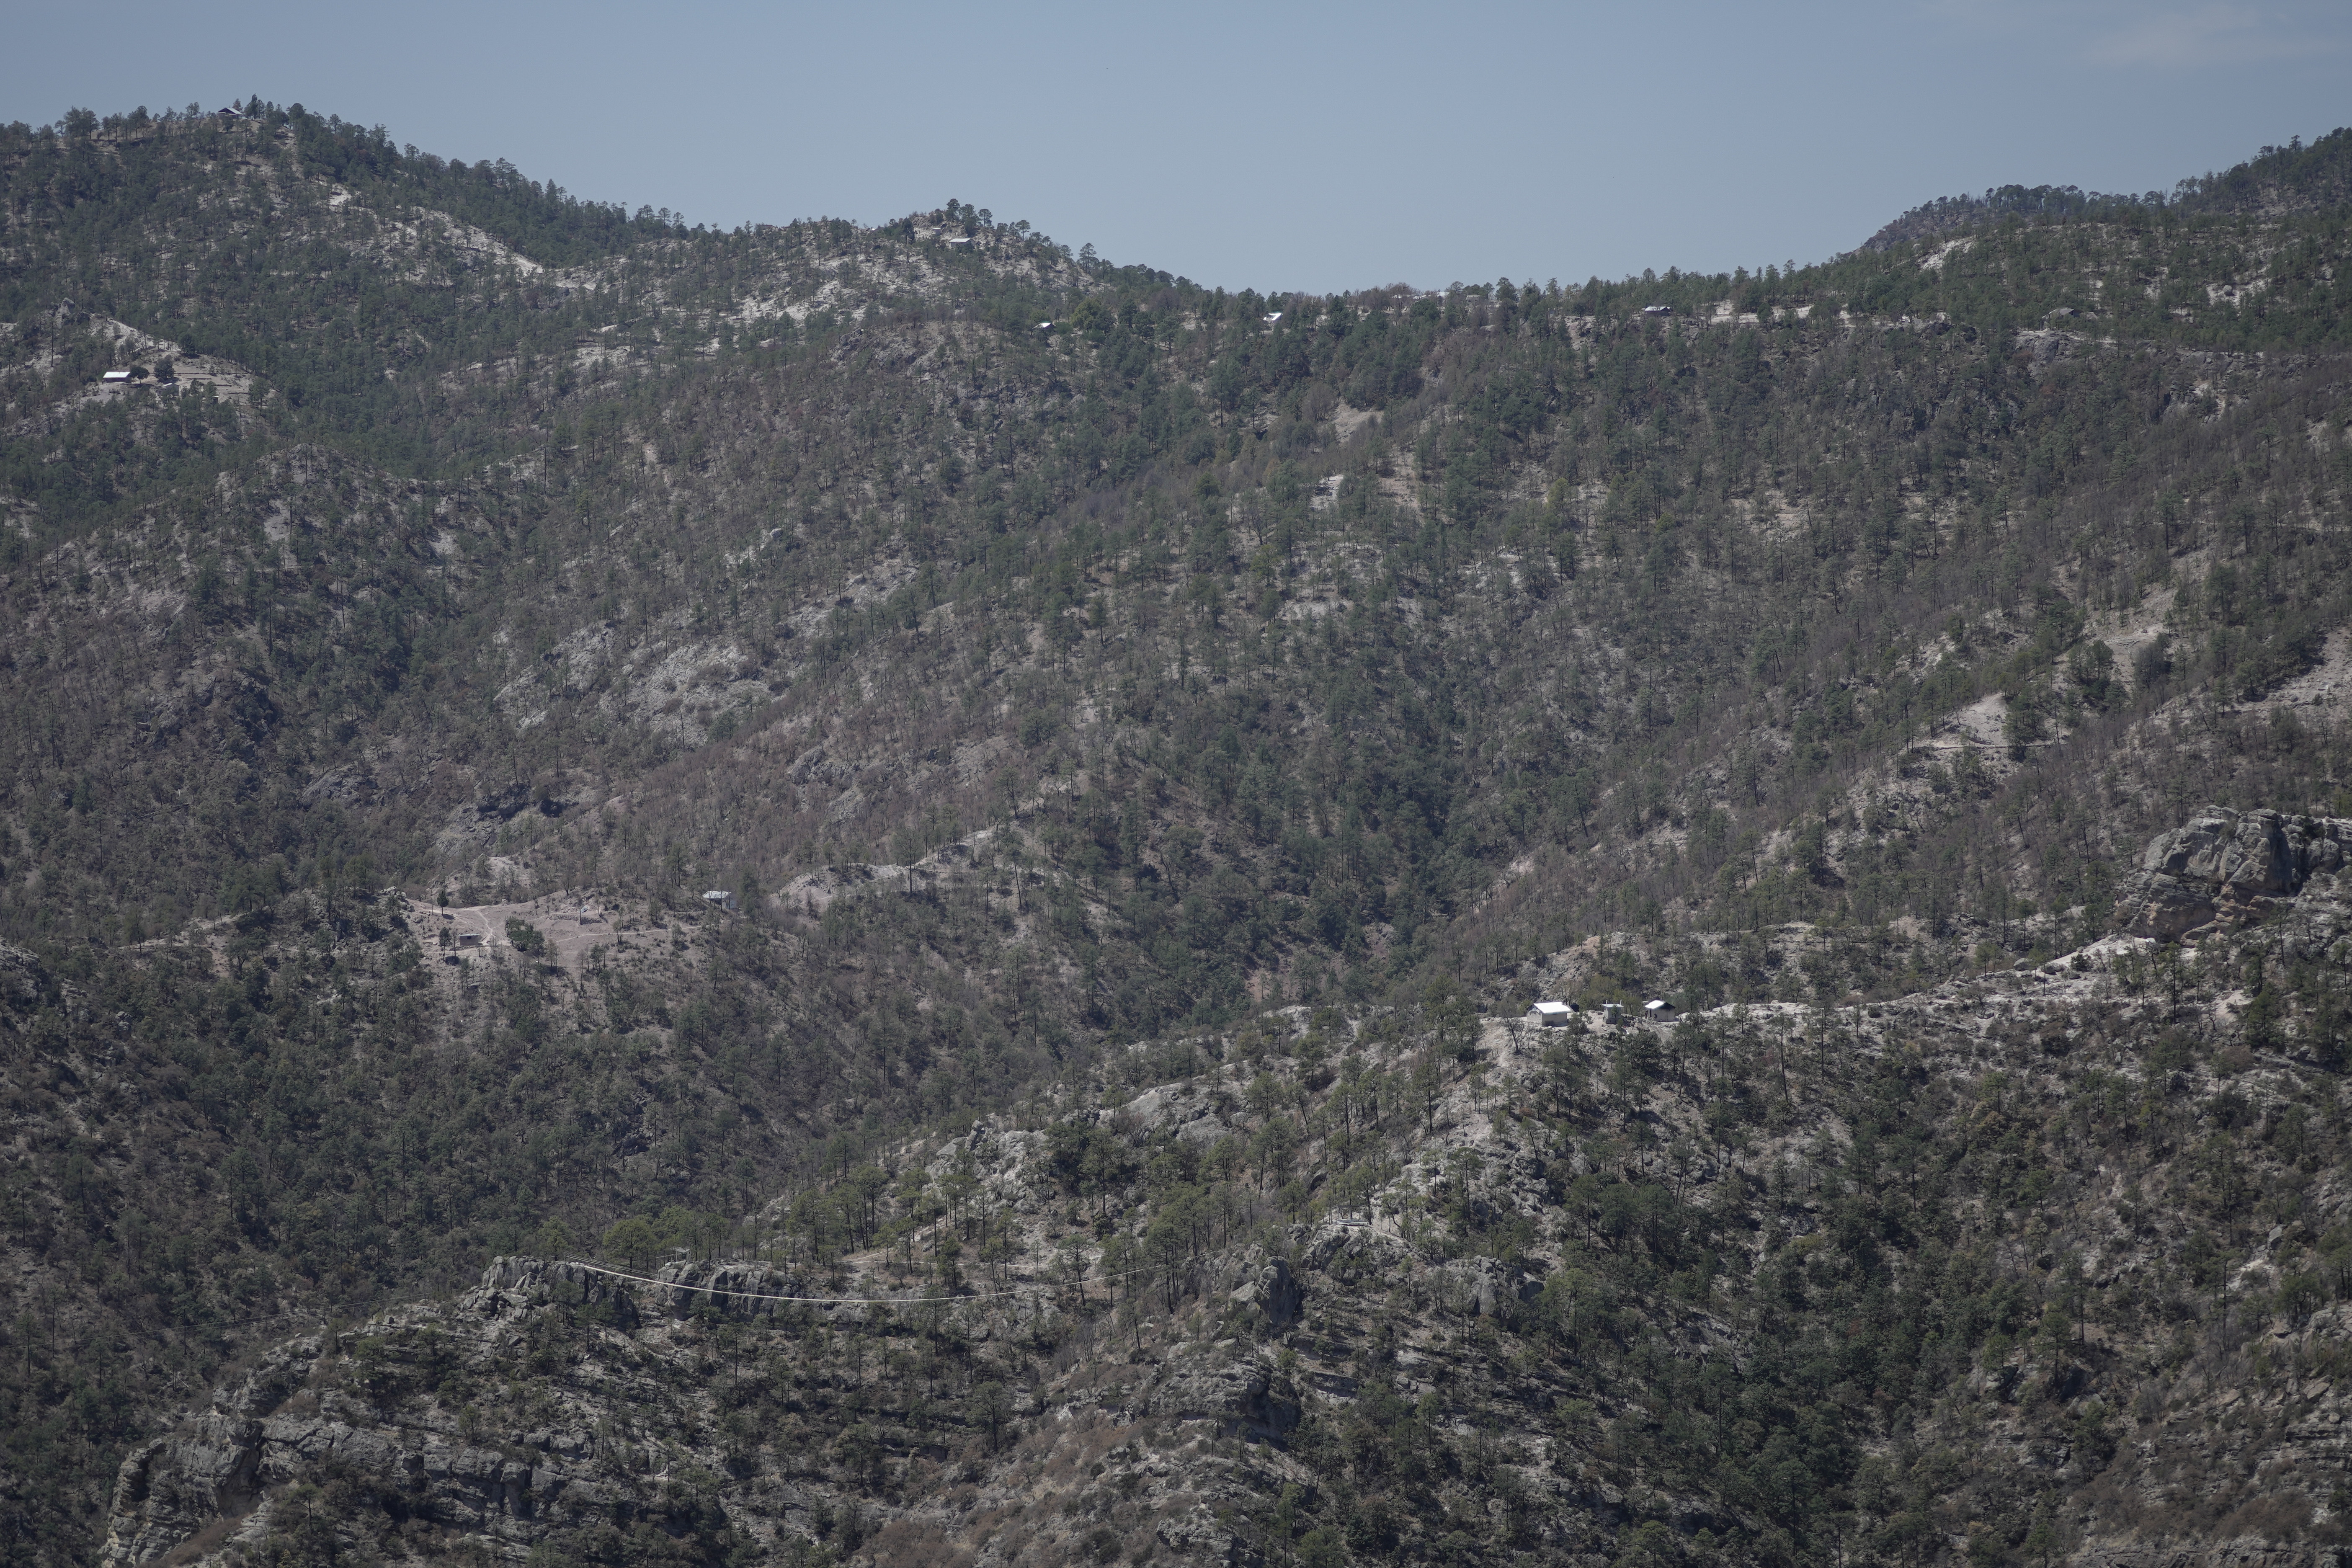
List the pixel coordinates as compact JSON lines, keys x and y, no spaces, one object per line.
{"x":363,"y":1411}
{"x":531,"y":1280}
{"x":170,"y":1488}
{"x":1225,"y":1382}
{"x":736,"y":1289}
{"x":2254,"y":1552}
{"x":1179,"y":1107}
{"x":2319,"y":928}
{"x":2225,"y":870}
{"x":1485,"y":1286}
{"x":210,"y":1468}
{"x":733,"y":1289}
{"x":1200,"y":1535}
{"x":1274,"y":1292}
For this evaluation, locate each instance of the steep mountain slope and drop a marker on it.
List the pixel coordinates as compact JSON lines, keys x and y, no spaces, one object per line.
{"x":2046,"y":1262}
{"x":1055,"y":659}
{"x":1574,"y":554}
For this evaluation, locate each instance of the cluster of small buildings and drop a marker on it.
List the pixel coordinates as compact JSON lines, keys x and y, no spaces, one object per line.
{"x":1556,"y":1015}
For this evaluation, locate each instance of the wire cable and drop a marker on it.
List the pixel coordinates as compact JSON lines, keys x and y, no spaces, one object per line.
{"x":857,"y":1300}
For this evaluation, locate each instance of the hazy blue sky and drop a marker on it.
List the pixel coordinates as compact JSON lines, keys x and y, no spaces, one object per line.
{"x":1268,"y":146}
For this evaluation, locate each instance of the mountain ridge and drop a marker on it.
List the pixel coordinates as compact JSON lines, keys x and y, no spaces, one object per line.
{"x":1235,"y":1383}
{"x":1079,"y":709}
{"x":2277,"y":180}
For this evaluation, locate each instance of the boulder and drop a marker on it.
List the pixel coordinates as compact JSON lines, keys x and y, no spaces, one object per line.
{"x":2225,"y":868}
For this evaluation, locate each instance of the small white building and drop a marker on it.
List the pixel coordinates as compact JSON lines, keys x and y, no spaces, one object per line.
{"x":1657,"y":309}
{"x":1657,"y":1006}
{"x":116,"y":375}
{"x":1552,"y":1015}
{"x":958,"y":239}
{"x":720,"y":898}
{"x":1271,"y":317}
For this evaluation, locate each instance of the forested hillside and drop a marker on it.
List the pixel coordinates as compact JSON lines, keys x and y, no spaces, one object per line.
{"x":1054,"y":659}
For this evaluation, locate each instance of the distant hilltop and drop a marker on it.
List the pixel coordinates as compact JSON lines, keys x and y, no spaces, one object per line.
{"x":2292,"y":178}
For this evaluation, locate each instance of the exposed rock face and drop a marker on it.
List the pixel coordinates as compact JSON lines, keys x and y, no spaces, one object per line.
{"x":1227,"y":1383}
{"x":345,"y":1411}
{"x":388,"y":1420}
{"x":210,"y":1468}
{"x":1181,"y":1110}
{"x":168,"y":1489}
{"x":516,"y":1284}
{"x":2226,"y":870}
{"x":2320,"y":924}
{"x":1487,"y":1284}
{"x":1274,"y":1293}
